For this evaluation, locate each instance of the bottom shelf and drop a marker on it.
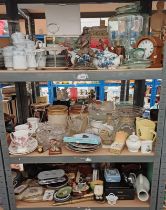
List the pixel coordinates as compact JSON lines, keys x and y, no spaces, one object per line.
{"x":121,"y":204}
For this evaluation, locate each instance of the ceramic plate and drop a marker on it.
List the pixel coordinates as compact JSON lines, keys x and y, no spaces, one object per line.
{"x":76,"y":149}
{"x":83,"y":146}
{"x":61,"y":199}
{"x":30,"y":147}
{"x":64,"y":192}
{"x":55,"y":187}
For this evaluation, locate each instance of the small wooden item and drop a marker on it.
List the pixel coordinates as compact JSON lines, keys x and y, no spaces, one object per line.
{"x":55,"y":147}
{"x":153,"y":47}
{"x":118,"y":145}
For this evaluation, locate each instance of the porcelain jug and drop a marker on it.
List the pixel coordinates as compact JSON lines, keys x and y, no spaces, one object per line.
{"x":142,"y":187}
{"x":19,"y":60}
{"x":145,"y":129}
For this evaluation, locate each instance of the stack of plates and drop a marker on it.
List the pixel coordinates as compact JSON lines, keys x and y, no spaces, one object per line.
{"x":58,"y":185}
{"x":139,"y":63}
{"x":84,"y":147}
{"x":53,"y":179}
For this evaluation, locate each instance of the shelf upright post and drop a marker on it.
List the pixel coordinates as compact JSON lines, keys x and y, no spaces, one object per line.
{"x":124,"y":91}
{"x":6,"y":161}
{"x":102,"y":90}
{"x":139,"y":87}
{"x":4,"y":201}
{"x":162,"y":177}
{"x":153,"y":92}
{"x":50,"y":92}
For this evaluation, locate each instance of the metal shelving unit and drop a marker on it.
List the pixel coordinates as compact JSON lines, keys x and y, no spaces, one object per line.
{"x":101,"y":156}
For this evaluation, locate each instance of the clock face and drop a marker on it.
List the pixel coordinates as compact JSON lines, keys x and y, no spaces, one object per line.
{"x":148,"y":46}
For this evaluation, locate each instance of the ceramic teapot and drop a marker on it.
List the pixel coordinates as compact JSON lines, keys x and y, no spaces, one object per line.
{"x":145,"y":129}
{"x":133,"y":143}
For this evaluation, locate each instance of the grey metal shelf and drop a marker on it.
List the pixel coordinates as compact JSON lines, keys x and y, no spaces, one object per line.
{"x":78,"y":75}
{"x":88,"y":205}
{"x":103,"y":155}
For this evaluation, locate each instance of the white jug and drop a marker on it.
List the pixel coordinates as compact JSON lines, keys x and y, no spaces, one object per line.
{"x":142,"y":187}
{"x":31,"y":59}
{"x":19,"y":60}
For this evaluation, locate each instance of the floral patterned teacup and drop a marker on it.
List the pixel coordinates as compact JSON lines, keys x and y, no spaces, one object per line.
{"x":20,"y":137}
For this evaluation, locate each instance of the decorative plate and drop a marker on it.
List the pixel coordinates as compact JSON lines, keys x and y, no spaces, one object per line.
{"x":53,"y":174}
{"x":30,"y":147}
{"x":61,"y":199}
{"x":77,"y":149}
{"x":64,"y":192}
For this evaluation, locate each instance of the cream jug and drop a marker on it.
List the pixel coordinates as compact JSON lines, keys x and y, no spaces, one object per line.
{"x":145,"y":129}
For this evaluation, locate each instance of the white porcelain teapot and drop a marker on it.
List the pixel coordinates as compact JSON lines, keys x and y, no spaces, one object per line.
{"x":133,"y":143}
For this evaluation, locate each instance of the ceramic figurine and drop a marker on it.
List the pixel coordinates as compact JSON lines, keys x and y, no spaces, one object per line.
{"x":84,"y":52}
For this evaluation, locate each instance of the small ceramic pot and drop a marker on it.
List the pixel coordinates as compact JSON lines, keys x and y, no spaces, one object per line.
{"x":112,"y":199}
{"x":146,"y":146}
{"x":133,"y":143}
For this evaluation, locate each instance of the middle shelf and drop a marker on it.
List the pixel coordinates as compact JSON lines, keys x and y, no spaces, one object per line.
{"x":102,"y":155}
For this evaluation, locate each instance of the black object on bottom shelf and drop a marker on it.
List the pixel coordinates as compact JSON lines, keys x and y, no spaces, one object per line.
{"x":123,"y":190}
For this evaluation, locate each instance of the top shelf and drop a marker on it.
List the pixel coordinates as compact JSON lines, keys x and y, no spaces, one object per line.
{"x":80,"y":75}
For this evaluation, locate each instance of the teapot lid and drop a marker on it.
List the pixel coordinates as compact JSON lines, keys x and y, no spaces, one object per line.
{"x":133,"y":137}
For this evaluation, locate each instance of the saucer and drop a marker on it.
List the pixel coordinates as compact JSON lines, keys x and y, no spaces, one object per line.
{"x":30,"y":147}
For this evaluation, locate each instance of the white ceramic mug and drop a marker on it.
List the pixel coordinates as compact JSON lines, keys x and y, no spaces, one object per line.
{"x":146,"y":146}
{"x":20,"y":137}
{"x":33,"y":123}
{"x":22,"y":127}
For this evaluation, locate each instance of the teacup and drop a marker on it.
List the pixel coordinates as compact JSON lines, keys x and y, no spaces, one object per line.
{"x":33,"y":123}
{"x":20,"y":137}
{"x":146,"y":146}
{"x":22,"y":127}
